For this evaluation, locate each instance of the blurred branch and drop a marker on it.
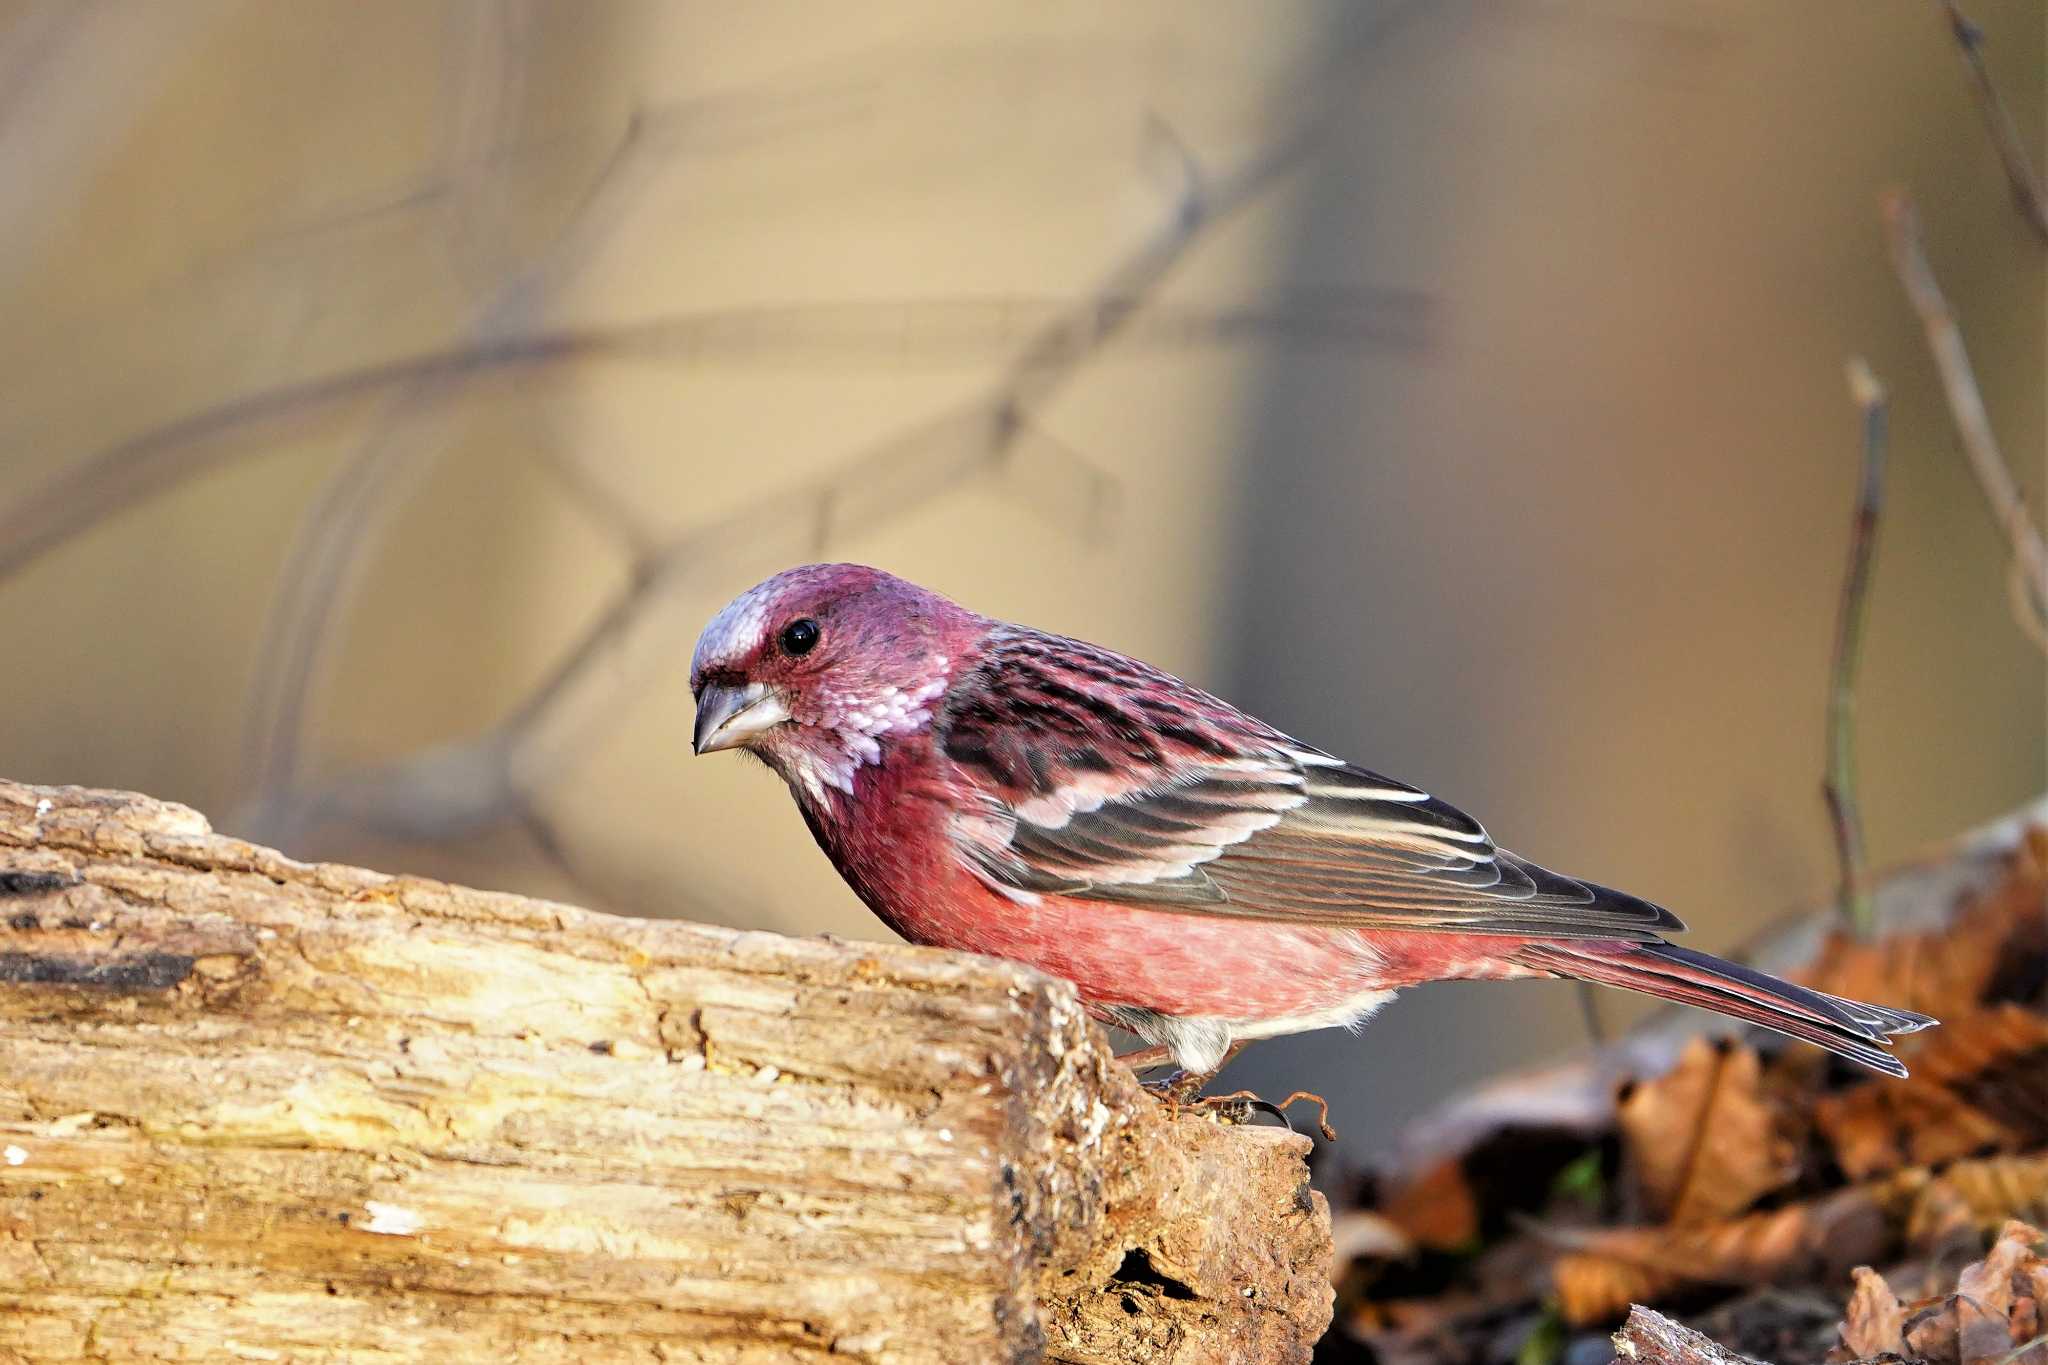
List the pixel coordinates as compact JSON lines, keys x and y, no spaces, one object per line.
{"x":488,"y":52}
{"x":485,"y":780}
{"x":493,"y":777}
{"x":444,"y":791}
{"x":1839,"y":786}
{"x":629,"y":524}
{"x":450,"y":791}
{"x":942,"y":331}
{"x":888,"y":332}
{"x":337,"y":532}
{"x":463,"y":786}
{"x":1966,"y":406}
{"x":334,"y":536}
{"x":706,"y":126}
{"x":2027,"y":190}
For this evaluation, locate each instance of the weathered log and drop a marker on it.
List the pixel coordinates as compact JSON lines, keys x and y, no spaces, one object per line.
{"x":254,"y":1108}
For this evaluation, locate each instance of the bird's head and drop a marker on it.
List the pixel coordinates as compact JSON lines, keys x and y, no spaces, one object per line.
{"x":816,"y":669}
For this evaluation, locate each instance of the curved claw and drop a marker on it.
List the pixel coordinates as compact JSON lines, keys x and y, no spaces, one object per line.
{"x":1279,"y":1111}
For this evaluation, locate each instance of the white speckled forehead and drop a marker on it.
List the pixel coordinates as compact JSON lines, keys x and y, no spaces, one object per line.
{"x":736,"y":632}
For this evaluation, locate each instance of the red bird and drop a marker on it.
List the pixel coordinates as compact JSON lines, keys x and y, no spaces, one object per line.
{"x":1201,"y":877}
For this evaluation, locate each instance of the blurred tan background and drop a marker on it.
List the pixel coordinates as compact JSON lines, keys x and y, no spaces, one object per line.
{"x":395,"y":388}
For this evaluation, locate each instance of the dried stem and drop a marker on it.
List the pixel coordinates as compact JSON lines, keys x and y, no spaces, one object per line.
{"x":2027,"y":191}
{"x":1589,"y":1013}
{"x":1966,"y":406}
{"x":1839,"y":787}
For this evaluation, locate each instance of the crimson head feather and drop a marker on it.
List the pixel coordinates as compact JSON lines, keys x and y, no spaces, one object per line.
{"x":1203,"y":878}
{"x":815,"y":668}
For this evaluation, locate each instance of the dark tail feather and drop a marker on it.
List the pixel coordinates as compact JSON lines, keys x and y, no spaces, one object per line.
{"x":1848,"y":1028}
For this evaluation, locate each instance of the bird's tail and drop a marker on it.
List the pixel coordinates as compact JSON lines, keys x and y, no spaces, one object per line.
{"x":1847,"y":1028}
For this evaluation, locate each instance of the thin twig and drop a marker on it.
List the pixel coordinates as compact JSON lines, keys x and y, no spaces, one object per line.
{"x":1839,"y":786}
{"x":2012,"y":1356}
{"x":1966,"y":403}
{"x":1589,"y":1013}
{"x":2027,"y":191}
{"x":492,"y":772}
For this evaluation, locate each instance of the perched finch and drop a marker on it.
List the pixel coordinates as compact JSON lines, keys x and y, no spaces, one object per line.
{"x":1201,"y":877}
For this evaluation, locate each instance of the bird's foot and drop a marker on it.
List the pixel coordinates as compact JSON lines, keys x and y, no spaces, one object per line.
{"x":1183,"y":1090}
{"x":1239,"y":1105}
{"x":1179,"y":1090}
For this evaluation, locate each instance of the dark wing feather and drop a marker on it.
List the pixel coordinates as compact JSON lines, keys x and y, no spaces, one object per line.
{"x":1103,"y":778}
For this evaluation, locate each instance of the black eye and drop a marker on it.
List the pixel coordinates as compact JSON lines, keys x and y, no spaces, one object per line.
{"x":799,"y":637}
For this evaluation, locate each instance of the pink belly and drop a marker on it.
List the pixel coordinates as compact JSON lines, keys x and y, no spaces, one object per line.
{"x":1195,"y":964}
{"x":896,"y":853}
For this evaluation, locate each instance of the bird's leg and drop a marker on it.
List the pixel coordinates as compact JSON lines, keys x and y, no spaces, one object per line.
{"x":1145,"y":1058}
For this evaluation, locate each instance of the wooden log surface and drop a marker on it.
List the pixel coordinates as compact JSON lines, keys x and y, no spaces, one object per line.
{"x":257,"y":1109}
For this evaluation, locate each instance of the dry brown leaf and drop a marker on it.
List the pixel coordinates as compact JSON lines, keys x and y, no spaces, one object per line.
{"x":1984,"y":1297}
{"x":1437,"y":1209}
{"x":1932,"y":1334}
{"x":1979,"y":1083}
{"x":1702,"y":1140}
{"x":1939,"y":1161}
{"x":1613,"y":1268}
{"x":1875,"y":1320}
{"x":1592,"y":1288}
{"x":1992,"y":1318}
{"x":1990,"y":1282}
{"x":1982,"y":1337}
{"x":1938,"y":1218}
{"x":1945,"y":972}
{"x":2026,"y":1324}
{"x":1984,"y":1192}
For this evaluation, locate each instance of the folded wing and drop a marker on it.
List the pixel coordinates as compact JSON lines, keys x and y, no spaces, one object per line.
{"x":1099,"y":777}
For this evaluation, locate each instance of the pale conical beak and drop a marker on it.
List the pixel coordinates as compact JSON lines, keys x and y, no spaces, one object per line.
{"x":729,"y":717}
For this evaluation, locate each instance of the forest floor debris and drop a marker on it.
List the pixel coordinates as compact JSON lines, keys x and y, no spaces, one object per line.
{"x":1790,"y":1207}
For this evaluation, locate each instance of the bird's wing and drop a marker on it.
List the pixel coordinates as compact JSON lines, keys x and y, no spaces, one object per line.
{"x":1094,"y":776}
